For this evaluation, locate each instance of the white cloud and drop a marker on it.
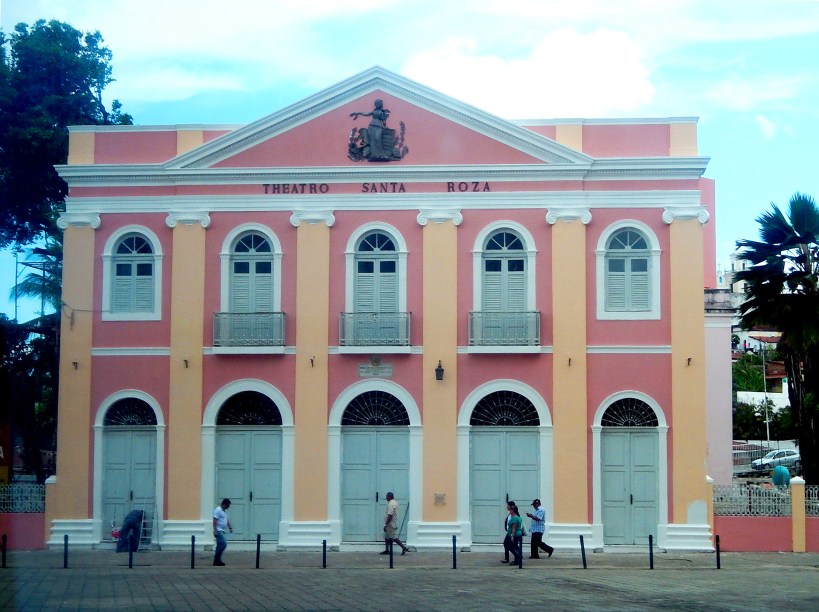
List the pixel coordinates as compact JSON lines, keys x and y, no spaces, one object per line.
{"x":566,"y":74}
{"x":766,"y":126}
{"x":749,"y":94}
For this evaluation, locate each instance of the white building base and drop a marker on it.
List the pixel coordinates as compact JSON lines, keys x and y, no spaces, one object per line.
{"x":309,"y":535}
{"x":688,"y":537}
{"x":437,"y":535}
{"x":176,"y":535}
{"x":82,"y":533}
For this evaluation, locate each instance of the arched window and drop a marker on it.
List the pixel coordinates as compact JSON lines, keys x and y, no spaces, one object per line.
{"x":251,"y":278}
{"x":627,"y":272}
{"x":504,"y":408}
{"x":376,"y":274}
{"x":133,"y":275}
{"x":504,"y":273}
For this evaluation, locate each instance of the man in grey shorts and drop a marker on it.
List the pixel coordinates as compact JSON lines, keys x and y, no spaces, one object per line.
{"x":391,"y":526}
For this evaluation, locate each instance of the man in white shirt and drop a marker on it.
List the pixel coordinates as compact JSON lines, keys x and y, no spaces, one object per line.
{"x":221,"y":523}
{"x":391,"y":526}
{"x":537,"y":527}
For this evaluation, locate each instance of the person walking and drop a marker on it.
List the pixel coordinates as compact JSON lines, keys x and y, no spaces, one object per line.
{"x":221,"y":523}
{"x":538,"y":527}
{"x":507,"y":539}
{"x":514,"y":532}
{"x":391,"y":526}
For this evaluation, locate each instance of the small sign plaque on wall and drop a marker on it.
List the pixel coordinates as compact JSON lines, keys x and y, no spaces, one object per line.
{"x":382,"y":370}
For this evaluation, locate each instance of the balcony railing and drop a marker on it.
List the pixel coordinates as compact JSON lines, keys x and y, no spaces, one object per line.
{"x":504,"y":328}
{"x":374,"y":329}
{"x":248,"y":329}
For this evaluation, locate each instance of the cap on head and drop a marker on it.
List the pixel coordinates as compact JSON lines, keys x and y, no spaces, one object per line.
{"x":536,"y":502}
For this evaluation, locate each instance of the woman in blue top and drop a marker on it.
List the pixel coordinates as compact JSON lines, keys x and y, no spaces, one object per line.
{"x":514,"y":531}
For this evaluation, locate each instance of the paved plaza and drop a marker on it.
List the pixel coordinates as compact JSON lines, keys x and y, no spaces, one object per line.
{"x":422,"y":580}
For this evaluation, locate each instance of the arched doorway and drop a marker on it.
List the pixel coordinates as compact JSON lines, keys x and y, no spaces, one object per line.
{"x":629,"y":472}
{"x":129,"y":462}
{"x":504,"y":460}
{"x":249,"y":464}
{"x":374,"y":460}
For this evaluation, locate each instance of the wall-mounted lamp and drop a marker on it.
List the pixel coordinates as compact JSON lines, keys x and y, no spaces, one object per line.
{"x":186,"y":363}
{"x":439,"y":371}
{"x":76,"y":364}
{"x":689,"y":361}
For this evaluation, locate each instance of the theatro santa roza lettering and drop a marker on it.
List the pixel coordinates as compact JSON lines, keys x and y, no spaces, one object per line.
{"x":389,"y":187}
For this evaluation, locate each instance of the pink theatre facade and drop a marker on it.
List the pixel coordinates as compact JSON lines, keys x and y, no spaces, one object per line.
{"x":380,"y":288}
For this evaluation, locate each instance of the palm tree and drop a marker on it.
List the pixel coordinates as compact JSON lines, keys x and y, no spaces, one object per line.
{"x":44,"y":280}
{"x":783,"y":292}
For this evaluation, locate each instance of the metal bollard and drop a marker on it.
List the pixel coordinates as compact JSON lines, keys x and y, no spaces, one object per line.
{"x":583,"y":551}
{"x":390,"y":548}
{"x":650,"y":551}
{"x":716,"y":541}
{"x":258,"y":548}
{"x":324,"y":554}
{"x":520,"y":555}
{"x":193,"y":551}
{"x":454,"y":556}
{"x":130,"y":556}
{"x":3,"y":541}
{"x":65,"y":551}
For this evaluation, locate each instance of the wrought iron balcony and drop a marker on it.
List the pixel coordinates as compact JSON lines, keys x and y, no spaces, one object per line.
{"x":374,"y":329}
{"x":504,"y":328}
{"x":248,"y":329}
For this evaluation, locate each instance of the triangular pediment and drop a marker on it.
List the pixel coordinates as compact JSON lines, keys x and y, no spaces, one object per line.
{"x":427,"y":129}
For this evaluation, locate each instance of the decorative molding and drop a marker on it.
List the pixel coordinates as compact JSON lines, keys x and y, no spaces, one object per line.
{"x":312,"y":217}
{"x":440,"y":215}
{"x":672,"y":213}
{"x":130,"y":351}
{"x":78,"y":219}
{"x":628,"y":350}
{"x":558,"y":213}
{"x":188,"y":218}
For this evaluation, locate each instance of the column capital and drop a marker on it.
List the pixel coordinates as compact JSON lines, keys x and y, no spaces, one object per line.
{"x":312,"y":216}
{"x":74,"y":219}
{"x":440,"y":215}
{"x":671,"y":214}
{"x":566,"y":213}
{"x":188,"y":218}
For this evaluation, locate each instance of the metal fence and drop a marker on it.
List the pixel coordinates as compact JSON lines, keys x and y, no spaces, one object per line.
{"x":22,"y":497}
{"x":751,"y":500}
{"x":812,"y":500}
{"x":488,"y":328}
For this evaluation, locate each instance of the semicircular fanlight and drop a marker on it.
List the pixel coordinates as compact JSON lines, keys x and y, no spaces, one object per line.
{"x":375,"y":408}
{"x":130,"y":411}
{"x":249,"y":408}
{"x":504,"y":408}
{"x":629,"y":412}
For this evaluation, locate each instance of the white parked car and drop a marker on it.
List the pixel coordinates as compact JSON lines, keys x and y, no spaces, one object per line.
{"x":789,"y":458}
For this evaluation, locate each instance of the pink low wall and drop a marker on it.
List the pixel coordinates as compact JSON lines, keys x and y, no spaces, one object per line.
{"x":24,"y":531}
{"x":754,"y":533}
{"x":812,"y":534}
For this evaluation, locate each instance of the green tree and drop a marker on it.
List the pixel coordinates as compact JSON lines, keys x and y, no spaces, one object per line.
{"x":783,"y":292}
{"x":51,"y":76}
{"x":747,"y":373}
{"x":44,"y":279}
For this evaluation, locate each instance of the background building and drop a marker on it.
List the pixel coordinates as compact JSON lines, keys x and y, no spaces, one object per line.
{"x":380,"y":288}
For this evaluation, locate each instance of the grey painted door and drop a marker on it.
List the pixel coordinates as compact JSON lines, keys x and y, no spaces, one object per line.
{"x":129,"y":474}
{"x":629,"y":485}
{"x":504,"y":465}
{"x":249,"y":473}
{"x":375,"y":460}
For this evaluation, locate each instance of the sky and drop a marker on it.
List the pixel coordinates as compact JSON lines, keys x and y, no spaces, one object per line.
{"x":746,"y":68}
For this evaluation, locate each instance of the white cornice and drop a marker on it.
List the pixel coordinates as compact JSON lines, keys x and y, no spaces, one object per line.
{"x":381,"y":201}
{"x":619,"y":169}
